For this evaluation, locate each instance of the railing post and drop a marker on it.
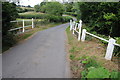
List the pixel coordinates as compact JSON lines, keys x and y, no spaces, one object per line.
{"x":110,"y":49}
{"x":80,"y":27}
{"x":73,"y":27}
{"x":83,"y":35}
{"x":23,"y":26}
{"x":79,"y":32}
{"x":32,"y":23}
{"x":80,"y":23}
{"x":70,"y":25}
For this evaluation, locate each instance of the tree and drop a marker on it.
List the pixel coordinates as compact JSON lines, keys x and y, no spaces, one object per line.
{"x":28,"y":6}
{"x":102,"y":17}
{"x":54,"y":8}
{"x":9,"y":13}
{"x":68,"y":7}
{"x":37,"y":8}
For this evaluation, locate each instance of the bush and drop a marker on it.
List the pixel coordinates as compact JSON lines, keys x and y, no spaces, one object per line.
{"x":50,"y":18}
{"x":35,"y":16}
{"x":72,"y":56}
{"x":54,"y":8}
{"x":102,"y":17}
{"x":117,"y":48}
{"x":71,"y":13}
{"x":93,"y":69}
{"x":10,"y":13}
{"x":98,"y":73}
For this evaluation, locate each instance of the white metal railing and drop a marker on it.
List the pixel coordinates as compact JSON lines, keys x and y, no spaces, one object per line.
{"x":74,"y":26}
{"x":23,"y":27}
{"x":111,"y":41}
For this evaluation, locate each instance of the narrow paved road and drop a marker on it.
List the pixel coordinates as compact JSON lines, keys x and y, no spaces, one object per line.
{"x":42,"y":56}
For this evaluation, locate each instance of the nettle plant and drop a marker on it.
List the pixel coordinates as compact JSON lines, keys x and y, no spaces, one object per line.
{"x":94,"y":70}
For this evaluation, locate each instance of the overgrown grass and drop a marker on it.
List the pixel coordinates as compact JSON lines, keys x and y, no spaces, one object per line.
{"x":87,"y":58}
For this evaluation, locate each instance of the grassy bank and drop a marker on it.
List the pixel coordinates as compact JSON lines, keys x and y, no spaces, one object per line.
{"x":27,"y":35}
{"x":87,"y":59}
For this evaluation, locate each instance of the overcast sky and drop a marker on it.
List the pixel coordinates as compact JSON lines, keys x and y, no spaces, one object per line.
{"x":32,"y":2}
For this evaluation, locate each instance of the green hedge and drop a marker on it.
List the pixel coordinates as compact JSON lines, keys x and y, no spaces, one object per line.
{"x":70,"y":13}
{"x":50,"y":18}
{"x":29,"y":16}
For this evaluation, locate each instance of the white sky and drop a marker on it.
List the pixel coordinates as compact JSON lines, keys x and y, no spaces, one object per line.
{"x":32,"y":2}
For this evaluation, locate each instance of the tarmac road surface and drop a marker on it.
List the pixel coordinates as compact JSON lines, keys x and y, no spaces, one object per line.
{"x":42,"y":56}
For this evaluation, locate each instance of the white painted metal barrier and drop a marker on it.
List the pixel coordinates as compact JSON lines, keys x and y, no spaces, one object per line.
{"x":111,"y":42}
{"x":23,"y":27}
{"x":110,"y":47}
{"x":74,"y":26}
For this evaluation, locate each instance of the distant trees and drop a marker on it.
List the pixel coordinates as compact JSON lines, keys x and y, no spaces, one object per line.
{"x":68,"y":7}
{"x":37,"y":8}
{"x":54,"y":8}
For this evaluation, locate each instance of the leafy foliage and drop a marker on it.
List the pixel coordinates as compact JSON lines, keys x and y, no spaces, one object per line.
{"x":114,"y":74}
{"x":9,"y":13}
{"x":72,"y":56}
{"x":102,"y":17}
{"x":93,"y":70}
{"x":48,"y":17}
{"x":54,"y":8}
{"x":98,"y":73}
{"x":37,"y":8}
{"x":71,"y":13}
{"x":68,"y":7}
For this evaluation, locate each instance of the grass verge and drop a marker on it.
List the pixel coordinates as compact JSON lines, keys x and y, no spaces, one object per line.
{"x":87,"y":59}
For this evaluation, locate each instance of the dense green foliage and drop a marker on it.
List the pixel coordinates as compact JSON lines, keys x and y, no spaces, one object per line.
{"x":71,"y":13}
{"x":68,"y":7}
{"x":48,"y":17}
{"x":9,"y":13}
{"x":53,"y":8}
{"x":24,"y":9}
{"x":102,"y":17}
{"x":94,"y":70}
{"x":37,"y":8}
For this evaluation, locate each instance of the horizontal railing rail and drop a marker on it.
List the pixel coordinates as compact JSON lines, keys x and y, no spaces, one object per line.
{"x":19,"y":28}
{"x":97,"y":37}
{"x":23,"y":27}
{"x":111,"y":41}
{"x":20,"y":20}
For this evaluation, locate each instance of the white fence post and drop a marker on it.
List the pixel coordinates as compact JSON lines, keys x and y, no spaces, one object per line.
{"x":73,"y":27}
{"x":79,"y":26}
{"x":32,"y":23}
{"x":80,"y":23}
{"x":110,"y":49}
{"x":70,"y":25}
{"x":83,"y":35}
{"x":76,"y":25}
{"x":23,"y":26}
{"x":79,"y":34}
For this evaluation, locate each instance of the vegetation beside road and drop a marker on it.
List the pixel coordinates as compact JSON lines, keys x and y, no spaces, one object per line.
{"x":48,"y":17}
{"x":51,"y":17}
{"x":87,"y":59}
